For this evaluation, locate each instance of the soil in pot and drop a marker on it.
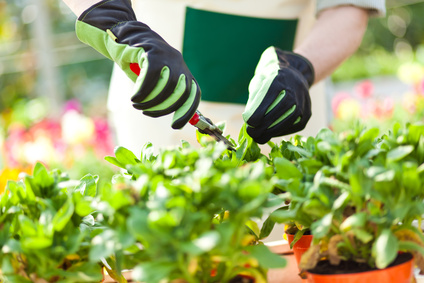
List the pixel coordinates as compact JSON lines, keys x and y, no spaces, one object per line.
{"x":242,"y":279}
{"x":400,"y":271}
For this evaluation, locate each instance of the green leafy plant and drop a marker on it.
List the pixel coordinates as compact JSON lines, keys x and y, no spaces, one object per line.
{"x":186,"y":214}
{"x":46,"y":225}
{"x":296,"y":163}
{"x":361,"y":198}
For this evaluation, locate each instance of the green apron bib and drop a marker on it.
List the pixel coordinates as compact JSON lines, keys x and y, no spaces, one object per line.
{"x":222,"y":50}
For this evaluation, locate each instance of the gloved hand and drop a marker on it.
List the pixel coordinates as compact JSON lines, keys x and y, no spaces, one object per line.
{"x":279,"y":102}
{"x":164,"y":84}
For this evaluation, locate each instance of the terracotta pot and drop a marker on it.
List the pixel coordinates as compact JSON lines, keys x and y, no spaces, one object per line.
{"x":401,"y":273}
{"x":301,"y":246}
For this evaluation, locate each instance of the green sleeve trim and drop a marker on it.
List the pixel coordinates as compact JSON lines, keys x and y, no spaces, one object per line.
{"x":101,"y":41}
{"x":93,"y":36}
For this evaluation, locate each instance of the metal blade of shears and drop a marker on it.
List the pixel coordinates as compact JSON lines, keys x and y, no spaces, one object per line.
{"x":206,"y":126}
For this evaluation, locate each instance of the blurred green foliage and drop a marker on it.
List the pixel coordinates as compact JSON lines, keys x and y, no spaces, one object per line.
{"x":388,"y":42}
{"x":19,"y":76}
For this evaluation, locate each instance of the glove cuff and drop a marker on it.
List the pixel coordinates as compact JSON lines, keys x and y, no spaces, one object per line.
{"x":108,"y":13}
{"x":300,"y":63}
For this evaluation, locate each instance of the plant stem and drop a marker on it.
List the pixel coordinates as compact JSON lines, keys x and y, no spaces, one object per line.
{"x":183,"y":267}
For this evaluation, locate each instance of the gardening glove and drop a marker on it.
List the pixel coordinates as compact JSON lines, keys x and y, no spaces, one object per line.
{"x":163,"y":82}
{"x":279,"y":102}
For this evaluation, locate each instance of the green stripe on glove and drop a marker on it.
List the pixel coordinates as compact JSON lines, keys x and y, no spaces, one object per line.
{"x":279,"y":102}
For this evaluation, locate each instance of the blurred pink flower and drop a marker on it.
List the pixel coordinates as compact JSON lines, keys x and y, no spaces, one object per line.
{"x":337,"y":99}
{"x":364,"y":89}
{"x":409,"y":102}
{"x":348,"y":109}
{"x":367,"y":109}
{"x":72,"y":104}
{"x":102,"y":137}
{"x":421,"y":91}
{"x":383,"y":109}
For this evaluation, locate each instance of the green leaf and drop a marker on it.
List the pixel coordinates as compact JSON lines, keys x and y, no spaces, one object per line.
{"x":297,"y":236}
{"x":114,"y":161}
{"x":321,"y":227}
{"x":363,"y":235}
{"x":266,"y":258}
{"x":41,"y":176}
{"x":103,"y":245}
{"x":385,"y":248}
{"x":253,"y":227}
{"x":82,"y":205}
{"x":357,"y":220}
{"x":35,"y":243}
{"x":301,"y":151}
{"x":241,"y":150}
{"x":28,"y":227}
{"x":147,"y":151}
{"x":285,"y":169}
{"x":203,"y":244}
{"x":283,"y":216}
{"x":416,"y":131}
{"x":152,"y":272}
{"x":369,"y":135}
{"x":266,"y":228}
{"x":82,"y":272}
{"x":88,"y":185}
{"x":408,"y":246}
{"x":63,"y":216}
{"x":14,"y":278}
{"x":12,"y":246}
{"x":125,"y":156}
{"x":315,"y":208}
{"x":399,"y":153}
{"x":341,"y":201}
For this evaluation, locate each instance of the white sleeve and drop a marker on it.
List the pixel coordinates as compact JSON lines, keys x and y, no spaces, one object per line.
{"x":375,"y":7}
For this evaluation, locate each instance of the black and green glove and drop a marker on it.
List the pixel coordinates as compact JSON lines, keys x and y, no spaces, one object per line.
{"x":163,"y":83}
{"x":279,"y":102}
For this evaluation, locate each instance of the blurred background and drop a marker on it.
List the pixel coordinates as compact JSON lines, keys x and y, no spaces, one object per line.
{"x":53,"y":88}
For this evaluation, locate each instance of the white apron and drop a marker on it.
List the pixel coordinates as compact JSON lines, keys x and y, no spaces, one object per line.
{"x":171,"y":19}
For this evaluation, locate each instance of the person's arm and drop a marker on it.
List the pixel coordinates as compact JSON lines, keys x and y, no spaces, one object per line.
{"x":79,"y":6}
{"x":163,"y":82}
{"x":335,"y":36}
{"x":279,"y":101}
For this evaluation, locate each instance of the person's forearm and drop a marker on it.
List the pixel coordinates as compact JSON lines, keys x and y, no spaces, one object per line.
{"x":335,"y":36}
{"x":79,"y":6}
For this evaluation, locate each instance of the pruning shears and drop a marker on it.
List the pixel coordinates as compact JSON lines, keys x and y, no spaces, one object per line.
{"x":203,"y":124}
{"x":206,"y":126}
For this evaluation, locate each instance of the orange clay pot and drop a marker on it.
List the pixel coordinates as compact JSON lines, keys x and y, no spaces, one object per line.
{"x":301,"y":246}
{"x":401,"y":273}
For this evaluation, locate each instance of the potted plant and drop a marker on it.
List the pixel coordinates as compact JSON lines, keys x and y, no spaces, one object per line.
{"x":186,"y":214}
{"x":46,"y":225}
{"x":296,"y":162}
{"x":367,"y":200}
